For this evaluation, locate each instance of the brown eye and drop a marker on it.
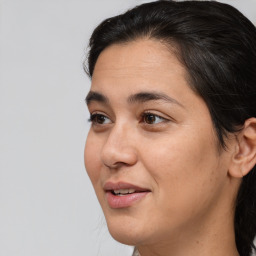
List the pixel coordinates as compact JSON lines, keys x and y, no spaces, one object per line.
{"x":99,"y":119}
{"x":150,"y":118}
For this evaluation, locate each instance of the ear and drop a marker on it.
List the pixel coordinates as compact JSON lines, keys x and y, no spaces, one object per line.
{"x":244,"y":157}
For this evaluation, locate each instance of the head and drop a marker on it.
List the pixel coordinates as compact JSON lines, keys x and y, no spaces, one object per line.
{"x":173,"y":110}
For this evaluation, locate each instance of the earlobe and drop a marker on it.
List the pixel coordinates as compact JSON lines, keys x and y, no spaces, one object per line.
{"x":244,"y":157}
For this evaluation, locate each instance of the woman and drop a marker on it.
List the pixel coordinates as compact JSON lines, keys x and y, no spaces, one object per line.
{"x":171,"y":151}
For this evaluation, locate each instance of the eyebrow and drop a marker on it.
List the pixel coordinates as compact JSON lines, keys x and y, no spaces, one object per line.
{"x":96,"y":96}
{"x":140,"y":97}
{"x":149,"y":96}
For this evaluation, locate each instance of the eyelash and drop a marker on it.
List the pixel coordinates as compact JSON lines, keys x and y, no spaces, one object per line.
{"x":93,"y":118}
{"x":147,"y":114}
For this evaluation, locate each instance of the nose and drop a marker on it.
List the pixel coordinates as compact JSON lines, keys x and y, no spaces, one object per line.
{"x":119,"y":148}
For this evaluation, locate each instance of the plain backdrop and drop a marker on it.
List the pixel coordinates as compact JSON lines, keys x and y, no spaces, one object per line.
{"x":47,"y":204}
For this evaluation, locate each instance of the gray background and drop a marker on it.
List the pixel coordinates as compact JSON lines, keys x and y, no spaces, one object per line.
{"x":47,"y":204}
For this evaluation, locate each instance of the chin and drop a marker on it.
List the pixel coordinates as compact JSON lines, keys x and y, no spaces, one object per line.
{"x":126,"y":231}
{"x":123,"y":238}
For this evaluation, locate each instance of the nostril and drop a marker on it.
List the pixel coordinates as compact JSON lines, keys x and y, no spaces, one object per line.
{"x":116,"y":158}
{"x":115,"y":165}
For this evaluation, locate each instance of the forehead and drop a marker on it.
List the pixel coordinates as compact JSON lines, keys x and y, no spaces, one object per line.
{"x":138,"y":65}
{"x":144,"y":55}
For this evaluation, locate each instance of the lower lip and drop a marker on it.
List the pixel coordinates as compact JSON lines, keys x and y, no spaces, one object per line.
{"x":124,"y":201}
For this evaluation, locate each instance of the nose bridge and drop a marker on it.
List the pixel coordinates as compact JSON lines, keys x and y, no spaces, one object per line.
{"x":119,"y":146}
{"x":120,"y":135}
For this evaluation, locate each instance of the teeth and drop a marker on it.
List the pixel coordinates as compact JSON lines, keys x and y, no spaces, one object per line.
{"x":124,"y":191}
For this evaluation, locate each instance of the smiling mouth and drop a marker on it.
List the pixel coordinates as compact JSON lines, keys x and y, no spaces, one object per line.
{"x":123,"y":195}
{"x":123,"y":192}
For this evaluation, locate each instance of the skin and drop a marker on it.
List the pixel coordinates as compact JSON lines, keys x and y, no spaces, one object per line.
{"x":173,"y":153}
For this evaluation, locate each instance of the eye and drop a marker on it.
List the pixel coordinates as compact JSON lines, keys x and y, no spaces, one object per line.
{"x":150,"y":118}
{"x":99,"y":119}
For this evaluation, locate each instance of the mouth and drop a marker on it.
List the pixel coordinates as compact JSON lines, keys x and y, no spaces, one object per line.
{"x":123,"y":195}
{"x":123,"y":192}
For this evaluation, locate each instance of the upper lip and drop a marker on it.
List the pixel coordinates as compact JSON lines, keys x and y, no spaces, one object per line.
{"x":110,"y":186}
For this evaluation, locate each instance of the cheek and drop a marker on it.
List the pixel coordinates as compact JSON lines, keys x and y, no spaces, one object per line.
{"x":92,"y":158}
{"x":184,"y":168}
{"x":179,"y":152}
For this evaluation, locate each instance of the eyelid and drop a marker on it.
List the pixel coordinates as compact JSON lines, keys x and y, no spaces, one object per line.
{"x":160,"y":115}
{"x":95,"y":114}
{"x":145,"y":114}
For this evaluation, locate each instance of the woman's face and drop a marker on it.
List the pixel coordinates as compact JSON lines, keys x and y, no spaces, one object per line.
{"x":151,"y":152}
